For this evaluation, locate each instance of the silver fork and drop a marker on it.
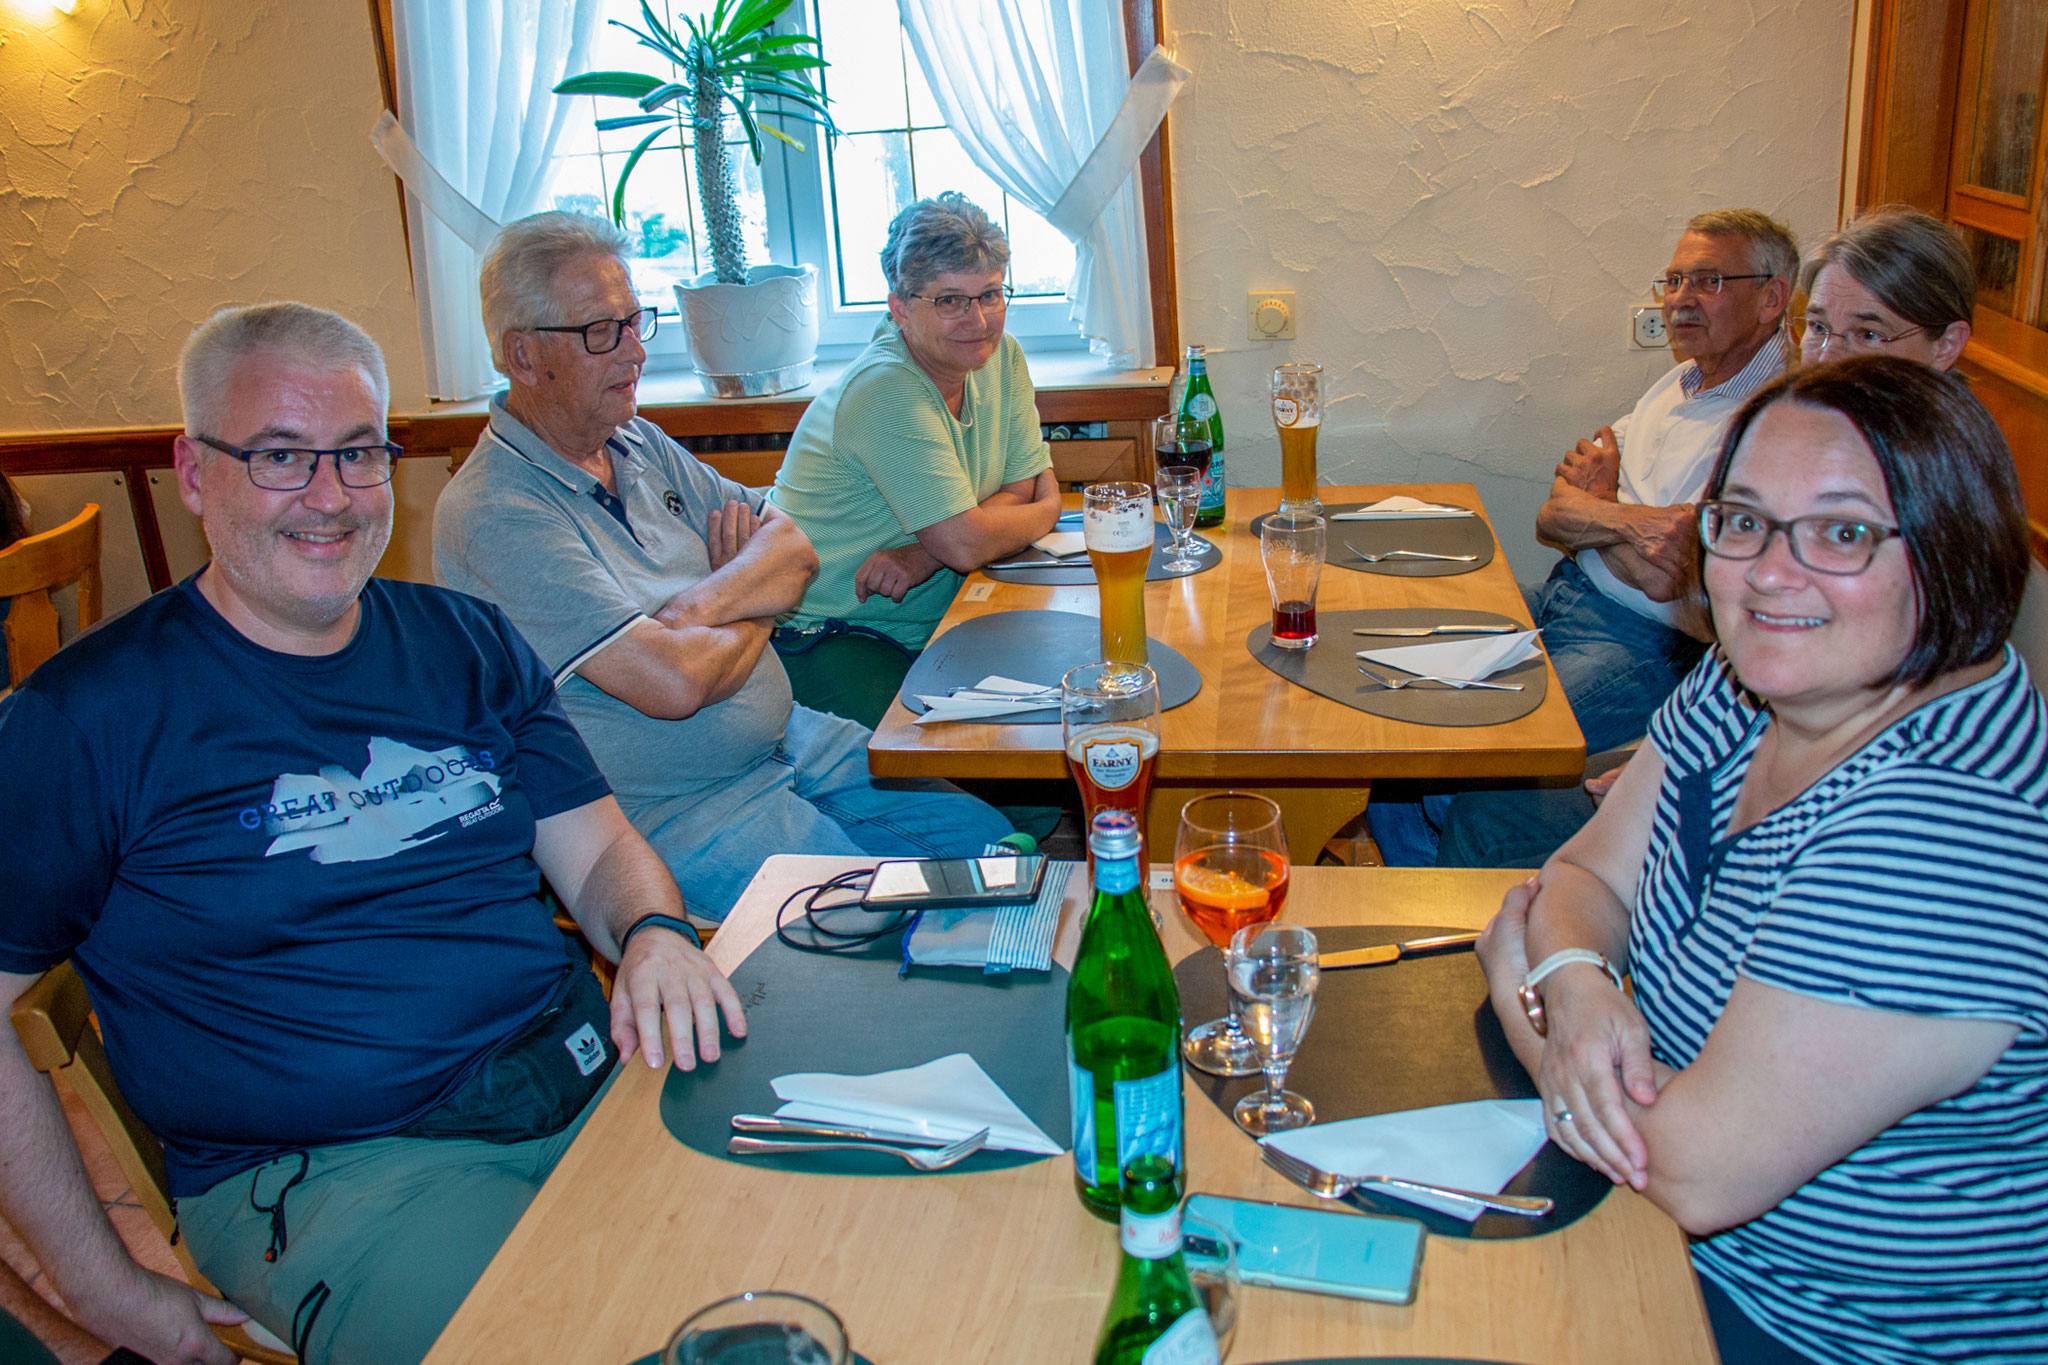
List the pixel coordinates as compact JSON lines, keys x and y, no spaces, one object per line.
{"x":1396,"y":684}
{"x":936,"y":1159}
{"x":1326,"y":1185}
{"x":1407,"y":554}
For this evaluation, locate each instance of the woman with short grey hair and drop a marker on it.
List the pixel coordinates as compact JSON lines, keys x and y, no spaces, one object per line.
{"x":945,"y":234}
{"x":1895,"y":281}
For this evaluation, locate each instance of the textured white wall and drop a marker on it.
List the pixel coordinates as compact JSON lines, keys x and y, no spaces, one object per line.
{"x":160,"y":159}
{"x":1467,"y":198}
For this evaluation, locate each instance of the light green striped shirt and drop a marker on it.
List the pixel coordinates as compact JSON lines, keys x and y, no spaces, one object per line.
{"x":877,"y":458}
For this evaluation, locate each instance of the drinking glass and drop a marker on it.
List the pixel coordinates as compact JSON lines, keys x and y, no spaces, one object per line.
{"x":1109,"y":722}
{"x":760,"y":1328}
{"x":1229,"y":870}
{"x":1298,"y":417}
{"x":1180,"y":497}
{"x":1182,"y":440}
{"x":1116,"y":524}
{"x":1291,"y":545}
{"x":1210,"y":1253}
{"x":1273,"y":976}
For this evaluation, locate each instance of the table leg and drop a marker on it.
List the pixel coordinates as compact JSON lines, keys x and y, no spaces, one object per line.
{"x":1313,"y":814}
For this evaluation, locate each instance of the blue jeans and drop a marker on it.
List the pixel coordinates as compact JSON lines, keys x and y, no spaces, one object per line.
{"x":1617,"y":668}
{"x":812,"y":794}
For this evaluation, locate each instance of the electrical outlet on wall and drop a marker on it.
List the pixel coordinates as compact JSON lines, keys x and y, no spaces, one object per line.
{"x":1647,"y":326}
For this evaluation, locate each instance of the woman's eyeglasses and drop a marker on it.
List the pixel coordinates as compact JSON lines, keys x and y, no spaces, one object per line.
{"x":1830,"y":545}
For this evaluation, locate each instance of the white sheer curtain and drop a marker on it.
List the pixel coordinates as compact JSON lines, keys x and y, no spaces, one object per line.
{"x":473,"y":137}
{"x":1039,"y":94}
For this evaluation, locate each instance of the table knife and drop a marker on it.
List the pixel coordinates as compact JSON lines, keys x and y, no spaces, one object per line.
{"x":787,"y":1127}
{"x":1394,"y":952}
{"x":1435,"y":630}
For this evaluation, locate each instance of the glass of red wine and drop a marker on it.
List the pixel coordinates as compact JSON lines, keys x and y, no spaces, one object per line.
{"x":1291,"y":545}
{"x":1181,"y":440}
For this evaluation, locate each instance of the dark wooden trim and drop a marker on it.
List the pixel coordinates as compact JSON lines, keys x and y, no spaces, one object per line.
{"x":148,"y":534}
{"x":384,"y":37}
{"x":1142,"y":26}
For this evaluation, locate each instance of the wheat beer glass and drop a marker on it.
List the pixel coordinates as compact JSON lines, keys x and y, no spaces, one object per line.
{"x":1116,"y":523}
{"x":1298,"y":417}
{"x":1229,"y":870}
{"x":1110,"y":723}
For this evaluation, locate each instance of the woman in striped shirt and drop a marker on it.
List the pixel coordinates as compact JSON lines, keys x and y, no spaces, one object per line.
{"x":1825,"y":873}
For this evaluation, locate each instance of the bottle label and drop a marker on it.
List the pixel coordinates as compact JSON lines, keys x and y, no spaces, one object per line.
{"x":1114,"y":876}
{"x":1202,"y":407}
{"x":1212,"y":483}
{"x":1116,"y":530}
{"x":1081,"y":1104}
{"x":1150,"y":1236}
{"x":1112,"y":763}
{"x":1190,"y":1341}
{"x":1148,"y":1117}
{"x":1285,"y":410}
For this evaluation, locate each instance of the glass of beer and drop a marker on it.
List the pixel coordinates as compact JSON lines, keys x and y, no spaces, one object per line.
{"x":1110,"y":723}
{"x":1116,"y":524}
{"x":1291,"y":545}
{"x":1298,"y":416}
{"x":1229,"y":870}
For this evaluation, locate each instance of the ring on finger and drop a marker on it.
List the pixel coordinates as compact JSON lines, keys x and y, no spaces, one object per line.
{"x":1562,"y":1116}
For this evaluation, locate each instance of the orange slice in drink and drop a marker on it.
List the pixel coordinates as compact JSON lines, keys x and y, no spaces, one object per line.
{"x":1217,"y":888}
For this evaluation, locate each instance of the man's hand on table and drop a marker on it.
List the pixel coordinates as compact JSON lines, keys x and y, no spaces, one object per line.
{"x":1594,"y":465}
{"x":728,"y":531}
{"x":664,"y":975}
{"x":162,"y":1319}
{"x":893,"y":573}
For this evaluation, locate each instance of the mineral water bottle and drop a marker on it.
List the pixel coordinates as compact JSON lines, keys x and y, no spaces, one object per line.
{"x":1155,"y":1317}
{"x":1198,"y":401}
{"x":1123,"y":1027}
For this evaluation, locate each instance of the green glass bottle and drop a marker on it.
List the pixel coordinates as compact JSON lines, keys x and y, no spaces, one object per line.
{"x":1198,"y":401}
{"x":1123,"y":1027}
{"x":1155,"y":1316}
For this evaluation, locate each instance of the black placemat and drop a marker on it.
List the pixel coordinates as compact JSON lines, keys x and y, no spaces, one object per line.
{"x":1439,"y":535}
{"x":1205,"y":554}
{"x":1410,"y":1035}
{"x":853,"y":1015}
{"x":1330,"y":668}
{"x":1033,"y":647}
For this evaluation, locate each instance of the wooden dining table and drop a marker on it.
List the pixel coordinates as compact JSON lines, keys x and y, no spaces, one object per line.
{"x":634,"y":1230}
{"x":1248,"y":727}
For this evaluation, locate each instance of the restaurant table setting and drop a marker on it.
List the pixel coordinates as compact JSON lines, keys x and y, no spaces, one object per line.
{"x":1007,"y":666}
{"x":1425,"y":665}
{"x":1060,"y":559}
{"x":1405,"y":537}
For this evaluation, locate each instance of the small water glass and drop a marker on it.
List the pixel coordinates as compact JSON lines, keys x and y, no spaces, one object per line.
{"x":1180,"y":498}
{"x":760,"y":1328}
{"x":1273,"y":978}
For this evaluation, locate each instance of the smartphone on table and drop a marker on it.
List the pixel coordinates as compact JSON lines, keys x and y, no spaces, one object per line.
{"x":937,"y":883}
{"x":1353,"y":1255}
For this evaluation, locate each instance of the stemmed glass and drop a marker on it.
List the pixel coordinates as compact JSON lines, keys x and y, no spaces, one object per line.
{"x":1180,"y":498}
{"x":1210,"y":1253}
{"x":1229,"y":870}
{"x":762,"y":1328}
{"x":1273,"y":977}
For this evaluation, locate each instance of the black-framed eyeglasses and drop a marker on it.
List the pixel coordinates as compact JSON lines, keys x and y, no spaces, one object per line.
{"x":1824,"y":544}
{"x":283,"y":470}
{"x":953,"y":307}
{"x":603,"y":336}
{"x":1702,"y":281}
{"x":1855,"y":338}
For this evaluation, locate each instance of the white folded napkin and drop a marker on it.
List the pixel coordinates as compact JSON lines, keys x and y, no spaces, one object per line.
{"x":949,"y":1098}
{"x":1470,"y":660}
{"x":1062,"y":542}
{"x":1477,"y":1146}
{"x":987,"y":699}
{"x":1401,"y":507}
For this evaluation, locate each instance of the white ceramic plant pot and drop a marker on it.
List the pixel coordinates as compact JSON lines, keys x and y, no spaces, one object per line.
{"x":757,"y":338}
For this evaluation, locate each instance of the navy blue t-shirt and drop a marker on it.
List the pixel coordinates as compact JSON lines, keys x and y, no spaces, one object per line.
{"x":300,"y":890}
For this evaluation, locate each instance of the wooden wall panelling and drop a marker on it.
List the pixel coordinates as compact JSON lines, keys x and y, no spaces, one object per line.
{"x":1910,"y":107}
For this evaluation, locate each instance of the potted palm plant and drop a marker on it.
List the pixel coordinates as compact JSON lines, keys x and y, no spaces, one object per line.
{"x":753,"y":330}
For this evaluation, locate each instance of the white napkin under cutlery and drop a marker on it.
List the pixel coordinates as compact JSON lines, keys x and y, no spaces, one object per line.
{"x":1401,"y":507}
{"x":1469,"y":660}
{"x":988,"y":699}
{"x":1476,"y":1146}
{"x":946,"y":1099}
{"x":1059,"y":543}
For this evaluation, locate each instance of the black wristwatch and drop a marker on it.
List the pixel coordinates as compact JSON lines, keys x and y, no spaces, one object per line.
{"x":681,"y":926}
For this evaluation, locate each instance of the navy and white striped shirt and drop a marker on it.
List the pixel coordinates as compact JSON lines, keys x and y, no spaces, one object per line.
{"x":1913,"y":877}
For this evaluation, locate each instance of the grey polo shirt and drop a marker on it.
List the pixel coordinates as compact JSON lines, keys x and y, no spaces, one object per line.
{"x":522,"y":527}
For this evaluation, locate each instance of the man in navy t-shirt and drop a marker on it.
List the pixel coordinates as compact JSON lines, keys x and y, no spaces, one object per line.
{"x":289,"y":822}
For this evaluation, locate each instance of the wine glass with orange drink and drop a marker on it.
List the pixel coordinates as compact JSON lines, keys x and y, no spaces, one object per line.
{"x":1229,"y":870}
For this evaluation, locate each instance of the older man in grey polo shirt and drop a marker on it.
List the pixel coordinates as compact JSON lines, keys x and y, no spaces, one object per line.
{"x":649,"y":584}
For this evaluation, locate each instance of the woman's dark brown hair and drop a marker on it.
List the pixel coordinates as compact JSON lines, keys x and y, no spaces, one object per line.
{"x":1951,"y":481}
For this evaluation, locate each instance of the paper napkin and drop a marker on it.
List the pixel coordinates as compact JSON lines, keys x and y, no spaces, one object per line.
{"x":1062,"y":542}
{"x":992,"y":697}
{"x":1470,"y":660}
{"x":1477,"y":1146}
{"x":1401,"y":507}
{"x":948,"y":1099}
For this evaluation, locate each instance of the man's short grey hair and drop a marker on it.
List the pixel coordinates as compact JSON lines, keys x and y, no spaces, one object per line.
{"x":293,"y":331}
{"x":945,"y":235}
{"x":1914,"y":263}
{"x":1773,"y":250}
{"x":522,"y":261}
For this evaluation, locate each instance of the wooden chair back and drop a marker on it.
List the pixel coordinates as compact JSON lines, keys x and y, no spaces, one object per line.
{"x":29,"y":569}
{"x":53,"y":1019}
